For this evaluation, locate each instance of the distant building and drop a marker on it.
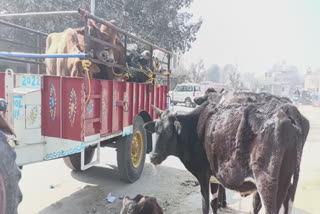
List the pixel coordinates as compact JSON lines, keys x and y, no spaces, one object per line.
{"x":277,"y":83}
{"x":312,"y":82}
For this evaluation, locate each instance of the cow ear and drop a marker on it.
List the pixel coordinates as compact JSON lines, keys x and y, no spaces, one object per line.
{"x":150,"y":126}
{"x":91,"y":24}
{"x":119,"y":42}
{"x":177,"y":126}
{"x":80,"y":30}
{"x":105,"y":36}
{"x":112,"y":22}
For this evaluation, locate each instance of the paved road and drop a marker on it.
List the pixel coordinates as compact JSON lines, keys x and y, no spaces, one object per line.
{"x":84,"y":192}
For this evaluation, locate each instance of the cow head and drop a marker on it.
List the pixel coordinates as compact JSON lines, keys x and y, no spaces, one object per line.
{"x":112,"y":36}
{"x":101,"y":52}
{"x":167,"y":128}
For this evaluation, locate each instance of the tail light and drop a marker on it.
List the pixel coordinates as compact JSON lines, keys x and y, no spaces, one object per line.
{"x":194,"y":93}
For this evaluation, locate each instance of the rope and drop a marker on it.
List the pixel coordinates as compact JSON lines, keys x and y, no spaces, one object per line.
{"x":152,"y":79}
{"x":125,"y":76}
{"x":86,"y":64}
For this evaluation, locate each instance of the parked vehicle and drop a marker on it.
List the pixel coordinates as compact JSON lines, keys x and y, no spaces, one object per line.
{"x":72,"y":117}
{"x":185,"y":93}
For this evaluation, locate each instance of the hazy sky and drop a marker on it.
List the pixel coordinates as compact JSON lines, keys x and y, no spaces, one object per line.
{"x":254,"y":34}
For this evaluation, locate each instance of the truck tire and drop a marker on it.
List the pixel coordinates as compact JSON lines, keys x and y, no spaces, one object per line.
{"x":10,"y":194}
{"x":131,"y":152}
{"x":74,"y":161}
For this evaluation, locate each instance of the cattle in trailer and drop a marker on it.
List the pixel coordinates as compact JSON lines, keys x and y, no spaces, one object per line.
{"x":71,"y":41}
{"x":140,"y":205}
{"x":177,"y":136}
{"x":251,"y":148}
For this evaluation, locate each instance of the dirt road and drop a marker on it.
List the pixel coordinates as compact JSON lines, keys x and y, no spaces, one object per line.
{"x":51,"y":188}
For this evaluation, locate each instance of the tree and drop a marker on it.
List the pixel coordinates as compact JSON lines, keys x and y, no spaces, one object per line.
{"x":165,"y":23}
{"x":196,"y":72}
{"x":227,"y":69}
{"x":234,"y":79}
{"x":180,"y":75}
{"x":213,"y":73}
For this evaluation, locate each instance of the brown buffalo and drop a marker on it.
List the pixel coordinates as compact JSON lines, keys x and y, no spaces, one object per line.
{"x":251,"y":147}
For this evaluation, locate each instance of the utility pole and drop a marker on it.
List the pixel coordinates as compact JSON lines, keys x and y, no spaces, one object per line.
{"x":93,"y":7}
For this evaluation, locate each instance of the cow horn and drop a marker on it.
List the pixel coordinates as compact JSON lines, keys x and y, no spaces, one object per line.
{"x":158,"y":111}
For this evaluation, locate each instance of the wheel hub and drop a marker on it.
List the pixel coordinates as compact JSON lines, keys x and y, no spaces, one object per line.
{"x":137,"y":149}
{"x":2,"y":196}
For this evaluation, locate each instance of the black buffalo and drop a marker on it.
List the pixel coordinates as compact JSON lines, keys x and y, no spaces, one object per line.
{"x":177,"y":136}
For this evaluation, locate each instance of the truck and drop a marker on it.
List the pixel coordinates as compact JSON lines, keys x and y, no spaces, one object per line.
{"x":50,"y":117}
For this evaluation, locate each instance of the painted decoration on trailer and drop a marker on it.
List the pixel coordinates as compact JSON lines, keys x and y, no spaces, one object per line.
{"x":33,"y":116}
{"x":72,"y":106}
{"x":52,"y":102}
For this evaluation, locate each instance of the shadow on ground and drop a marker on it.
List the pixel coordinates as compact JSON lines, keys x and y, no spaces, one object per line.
{"x":165,"y":183}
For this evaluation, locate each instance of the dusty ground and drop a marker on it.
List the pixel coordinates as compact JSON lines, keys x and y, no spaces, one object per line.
{"x":51,"y":188}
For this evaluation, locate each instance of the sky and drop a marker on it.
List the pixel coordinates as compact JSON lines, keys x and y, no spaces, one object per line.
{"x":255,"y":34}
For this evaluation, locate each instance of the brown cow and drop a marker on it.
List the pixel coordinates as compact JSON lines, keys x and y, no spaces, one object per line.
{"x":63,"y":43}
{"x":72,"y":41}
{"x":140,"y":205}
{"x":118,"y":53}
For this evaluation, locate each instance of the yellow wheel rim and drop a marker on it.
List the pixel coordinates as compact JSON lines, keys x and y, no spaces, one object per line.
{"x":137,"y":149}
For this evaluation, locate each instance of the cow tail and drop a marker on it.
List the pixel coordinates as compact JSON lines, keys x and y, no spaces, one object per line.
{"x":302,"y":124}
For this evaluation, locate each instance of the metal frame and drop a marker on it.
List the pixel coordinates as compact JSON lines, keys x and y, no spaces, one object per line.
{"x":37,"y":46}
{"x":86,"y":16}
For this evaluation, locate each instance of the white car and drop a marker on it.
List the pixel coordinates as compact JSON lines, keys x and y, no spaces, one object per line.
{"x":185,"y":93}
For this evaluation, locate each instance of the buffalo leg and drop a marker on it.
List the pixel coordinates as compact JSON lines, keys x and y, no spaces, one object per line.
{"x":267,"y":187}
{"x":215,"y":197}
{"x":222,"y":197}
{"x":256,"y":203}
{"x":203,"y":179}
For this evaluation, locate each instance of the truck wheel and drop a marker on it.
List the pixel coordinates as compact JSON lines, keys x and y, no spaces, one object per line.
{"x":74,"y":161}
{"x":131,"y":152}
{"x":10,"y":194}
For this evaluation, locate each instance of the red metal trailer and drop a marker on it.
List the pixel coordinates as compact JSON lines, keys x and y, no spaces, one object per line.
{"x":71,"y":118}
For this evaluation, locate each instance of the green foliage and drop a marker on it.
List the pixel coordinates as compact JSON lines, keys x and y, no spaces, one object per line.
{"x":165,"y":23}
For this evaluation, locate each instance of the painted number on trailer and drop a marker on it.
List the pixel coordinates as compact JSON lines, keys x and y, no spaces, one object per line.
{"x":32,"y":81}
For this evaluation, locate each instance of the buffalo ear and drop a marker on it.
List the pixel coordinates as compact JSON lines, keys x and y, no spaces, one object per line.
{"x":158,"y":111}
{"x":200,"y":100}
{"x":177,"y":126}
{"x":150,"y":126}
